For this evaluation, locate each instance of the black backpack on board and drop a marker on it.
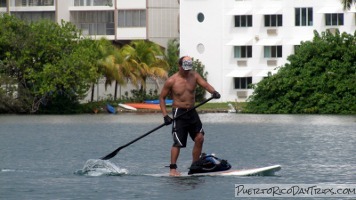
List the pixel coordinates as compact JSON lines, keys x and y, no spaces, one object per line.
{"x":209,"y":163}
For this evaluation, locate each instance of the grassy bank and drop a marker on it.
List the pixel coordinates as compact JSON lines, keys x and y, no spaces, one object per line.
{"x":221,"y":107}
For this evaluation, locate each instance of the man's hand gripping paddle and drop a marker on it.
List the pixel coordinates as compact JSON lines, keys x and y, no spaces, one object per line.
{"x":112,"y":154}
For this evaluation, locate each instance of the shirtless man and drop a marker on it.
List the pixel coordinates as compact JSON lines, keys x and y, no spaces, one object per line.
{"x":181,"y":86}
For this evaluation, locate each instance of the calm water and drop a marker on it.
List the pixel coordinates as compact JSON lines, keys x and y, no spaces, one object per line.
{"x":40,"y":156}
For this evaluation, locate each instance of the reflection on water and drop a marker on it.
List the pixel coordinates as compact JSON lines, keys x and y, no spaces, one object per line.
{"x":185,"y":183}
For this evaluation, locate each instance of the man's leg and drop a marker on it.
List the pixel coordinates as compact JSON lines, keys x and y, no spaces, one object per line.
{"x":198,"y":146}
{"x":174,"y":157}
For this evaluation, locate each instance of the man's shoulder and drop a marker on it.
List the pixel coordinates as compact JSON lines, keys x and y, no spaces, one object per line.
{"x":195,"y":74}
{"x":171,"y":78}
{"x":174,"y":76}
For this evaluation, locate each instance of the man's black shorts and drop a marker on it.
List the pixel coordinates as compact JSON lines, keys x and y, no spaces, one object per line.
{"x":188,"y":123}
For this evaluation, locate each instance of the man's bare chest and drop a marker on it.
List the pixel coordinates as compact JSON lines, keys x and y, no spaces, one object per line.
{"x":181,"y":85}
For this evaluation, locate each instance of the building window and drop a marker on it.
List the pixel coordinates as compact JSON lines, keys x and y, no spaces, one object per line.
{"x":243,"y":20}
{"x":132,"y":18}
{"x":2,"y":3}
{"x":200,"y":17}
{"x":334,"y":19}
{"x":304,"y":16}
{"x":242,"y":51}
{"x":20,"y":3}
{"x":34,"y":16}
{"x":93,"y":3}
{"x":273,"y":51}
{"x":242,"y":82}
{"x":94,"y":22}
{"x":273,"y":20}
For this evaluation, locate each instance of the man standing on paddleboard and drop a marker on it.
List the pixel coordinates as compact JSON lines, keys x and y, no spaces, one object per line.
{"x":181,"y":86}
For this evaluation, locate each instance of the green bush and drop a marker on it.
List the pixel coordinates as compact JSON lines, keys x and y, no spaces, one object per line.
{"x":320,"y":79}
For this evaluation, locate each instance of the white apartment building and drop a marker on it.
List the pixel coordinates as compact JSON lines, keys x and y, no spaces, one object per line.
{"x":240,"y":41}
{"x":118,"y":20}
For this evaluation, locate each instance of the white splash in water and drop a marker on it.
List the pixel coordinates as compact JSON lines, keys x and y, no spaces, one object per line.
{"x":97,"y":167}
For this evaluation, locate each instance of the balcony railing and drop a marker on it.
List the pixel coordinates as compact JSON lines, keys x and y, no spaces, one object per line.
{"x":28,"y":3}
{"x":93,"y":3}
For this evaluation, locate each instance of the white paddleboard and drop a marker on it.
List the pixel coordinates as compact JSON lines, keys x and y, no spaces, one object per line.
{"x":263,"y":171}
{"x":127,"y":107}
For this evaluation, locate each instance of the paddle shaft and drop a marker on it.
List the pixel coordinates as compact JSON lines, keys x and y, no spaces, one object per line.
{"x":112,"y":154}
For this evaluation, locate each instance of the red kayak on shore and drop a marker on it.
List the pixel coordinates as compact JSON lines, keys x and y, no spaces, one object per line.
{"x":144,"y":106}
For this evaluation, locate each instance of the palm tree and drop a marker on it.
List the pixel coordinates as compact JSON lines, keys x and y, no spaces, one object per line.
{"x":347,"y":4}
{"x":119,"y":70}
{"x":111,"y":71}
{"x":146,"y":60}
{"x":103,"y":48}
{"x":172,"y":56}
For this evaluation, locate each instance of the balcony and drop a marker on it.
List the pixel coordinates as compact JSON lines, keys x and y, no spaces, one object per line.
{"x":93,"y":3}
{"x":32,"y":3}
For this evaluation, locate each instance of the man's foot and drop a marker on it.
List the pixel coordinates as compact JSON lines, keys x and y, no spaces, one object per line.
{"x":174,"y":172}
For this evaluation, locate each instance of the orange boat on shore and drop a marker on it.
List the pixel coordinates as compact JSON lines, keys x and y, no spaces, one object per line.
{"x":144,"y":106}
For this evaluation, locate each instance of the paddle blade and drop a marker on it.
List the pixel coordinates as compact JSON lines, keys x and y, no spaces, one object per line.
{"x":111,"y":155}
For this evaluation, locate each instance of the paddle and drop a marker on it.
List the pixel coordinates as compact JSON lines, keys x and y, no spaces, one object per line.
{"x":112,"y":154}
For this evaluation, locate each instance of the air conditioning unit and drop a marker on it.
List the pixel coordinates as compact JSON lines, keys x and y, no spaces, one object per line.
{"x":242,"y":63}
{"x":242,"y":94}
{"x":272,"y":31}
{"x":271,"y":62}
{"x":331,"y":30}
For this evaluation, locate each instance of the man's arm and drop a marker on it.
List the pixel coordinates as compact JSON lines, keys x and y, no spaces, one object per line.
{"x":162,"y":97}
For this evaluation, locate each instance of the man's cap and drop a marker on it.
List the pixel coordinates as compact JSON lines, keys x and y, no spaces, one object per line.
{"x":187,"y":64}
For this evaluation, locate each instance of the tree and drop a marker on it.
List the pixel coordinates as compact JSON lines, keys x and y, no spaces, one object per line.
{"x":104,"y":49}
{"x":320,"y":78}
{"x":49,"y":61}
{"x":347,"y":4}
{"x":200,"y":92}
{"x":172,"y":56}
{"x":12,"y":39}
{"x":62,"y":82}
{"x":146,"y":60}
{"x":116,"y":68}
